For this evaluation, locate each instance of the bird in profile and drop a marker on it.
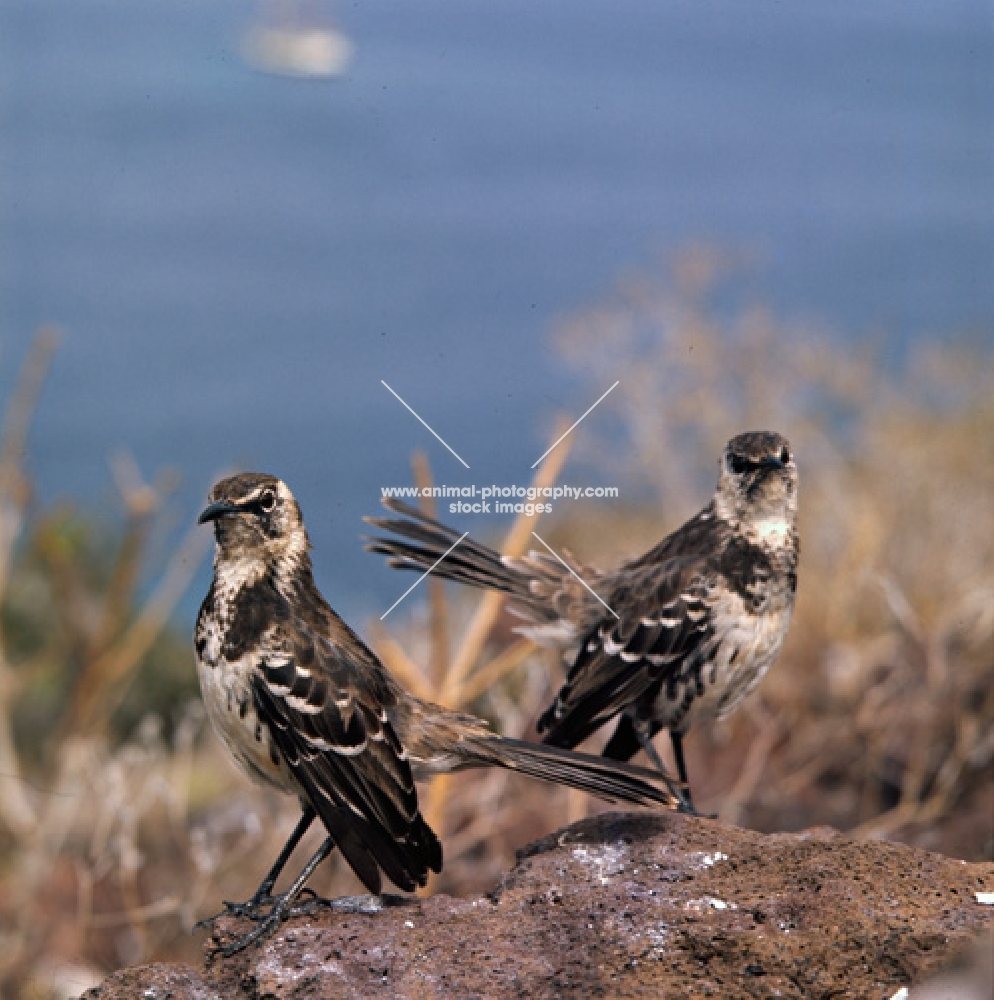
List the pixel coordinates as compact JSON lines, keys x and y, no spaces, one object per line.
{"x":304,"y":705}
{"x":693,"y":624}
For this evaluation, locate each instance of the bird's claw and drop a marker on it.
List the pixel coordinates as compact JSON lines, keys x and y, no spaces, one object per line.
{"x":686,"y":807}
{"x":266,"y":926}
{"x":685,"y":803}
{"x":281,"y":907}
{"x":247,"y":910}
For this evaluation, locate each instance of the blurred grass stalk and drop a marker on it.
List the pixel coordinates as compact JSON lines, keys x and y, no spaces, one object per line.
{"x":80,"y":766}
{"x":17,"y":811}
{"x":118,"y":647}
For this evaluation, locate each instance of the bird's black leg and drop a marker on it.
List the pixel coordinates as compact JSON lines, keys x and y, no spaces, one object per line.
{"x":681,"y":766}
{"x":645,"y":734}
{"x":265,"y":889}
{"x":645,"y":740}
{"x":282,"y":905}
{"x":633,"y":734}
{"x":264,"y":893}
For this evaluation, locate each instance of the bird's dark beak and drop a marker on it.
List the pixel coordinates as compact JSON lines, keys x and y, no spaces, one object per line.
{"x":767,"y":463}
{"x":220,"y":508}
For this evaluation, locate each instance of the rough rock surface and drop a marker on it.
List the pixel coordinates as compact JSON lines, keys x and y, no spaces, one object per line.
{"x":636,"y":905}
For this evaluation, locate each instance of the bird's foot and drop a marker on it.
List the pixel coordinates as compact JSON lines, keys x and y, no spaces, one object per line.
{"x":250,"y":909}
{"x":289,"y":905}
{"x":308,"y":902}
{"x":687,"y":808}
{"x":280,"y":907}
{"x":686,"y":804}
{"x":263,"y":929}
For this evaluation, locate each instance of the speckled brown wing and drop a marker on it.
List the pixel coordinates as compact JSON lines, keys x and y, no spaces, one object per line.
{"x":326,"y":709}
{"x":663,"y":630}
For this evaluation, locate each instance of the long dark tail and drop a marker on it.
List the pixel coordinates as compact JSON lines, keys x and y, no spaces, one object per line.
{"x":469,"y":562}
{"x":607,"y":779}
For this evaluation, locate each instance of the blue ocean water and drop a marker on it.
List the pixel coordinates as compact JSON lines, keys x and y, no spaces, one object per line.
{"x":237,"y":259}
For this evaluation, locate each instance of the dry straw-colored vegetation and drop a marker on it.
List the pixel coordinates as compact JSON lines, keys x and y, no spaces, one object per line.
{"x":122,"y":822}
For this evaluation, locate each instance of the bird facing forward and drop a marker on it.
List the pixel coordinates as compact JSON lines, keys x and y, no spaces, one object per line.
{"x":304,"y":705}
{"x":693,"y":624}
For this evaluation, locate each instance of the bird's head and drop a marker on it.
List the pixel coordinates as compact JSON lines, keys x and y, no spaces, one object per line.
{"x":757,"y":484}
{"x":256,"y":521}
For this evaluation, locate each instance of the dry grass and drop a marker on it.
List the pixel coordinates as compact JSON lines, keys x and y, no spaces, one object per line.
{"x":119,"y":828}
{"x":74,"y":804}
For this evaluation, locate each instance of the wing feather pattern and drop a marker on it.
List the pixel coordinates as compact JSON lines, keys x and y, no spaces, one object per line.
{"x":663,"y":632}
{"x":338,"y":744}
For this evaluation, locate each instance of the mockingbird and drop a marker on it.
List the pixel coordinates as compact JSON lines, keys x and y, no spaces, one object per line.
{"x":304,"y":705}
{"x":694,"y":623}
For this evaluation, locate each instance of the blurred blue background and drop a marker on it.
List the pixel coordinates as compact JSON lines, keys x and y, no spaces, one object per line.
{"x":237,"y":259}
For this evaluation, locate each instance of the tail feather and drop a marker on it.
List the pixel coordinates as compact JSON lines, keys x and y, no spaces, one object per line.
{"x":469,"y":562}
{"x":556,"y":607}
{"x":368,"y":847}
{"x":607,"y":779}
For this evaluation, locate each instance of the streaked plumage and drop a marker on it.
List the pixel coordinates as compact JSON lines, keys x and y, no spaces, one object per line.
{"x":702,"y":615}
{"x":304,"y":705}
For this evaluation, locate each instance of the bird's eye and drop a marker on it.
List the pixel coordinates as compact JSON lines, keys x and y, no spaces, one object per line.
{"x":267,"y":500}
{"x":738,"y":464}
{"x":785,"y":454}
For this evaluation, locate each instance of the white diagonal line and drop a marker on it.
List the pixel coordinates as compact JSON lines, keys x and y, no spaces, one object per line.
{"x":430,"y":568}
{"x":436,"y":435}
{"x":546,"y":452}
{"x":570,"y":568}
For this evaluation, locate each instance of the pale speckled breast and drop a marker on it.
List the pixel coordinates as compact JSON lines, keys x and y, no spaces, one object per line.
{"x":757,"y":647}
{"x":227,"y":695}
{"x":742,"y":650}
